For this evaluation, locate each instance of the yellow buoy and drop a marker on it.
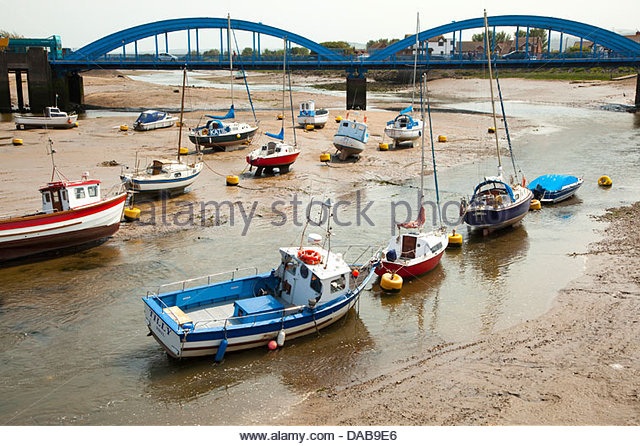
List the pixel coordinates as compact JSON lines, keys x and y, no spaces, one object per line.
{"x":455,"y":239}
{"x":17,"y":141}
{"x":604,"y":181}
{"x":442,"y":138}
{"x":492,"y":129}
{"x":383,"y":146}
{"x":76,"y":124}
{"x":232,"y":180}
{"x":535,"y":205}
{"x":184,"y":151}
{"x":178,"y":124}
{"x":310,"y":127}
{"x":338,"y":118}
{"x":280,"y":117}
{"x":131,"y":214}
{"x":124,"y":128}
{"x":325,"y":157}
{"x":238,"y":136}
{"x":391,"y":282}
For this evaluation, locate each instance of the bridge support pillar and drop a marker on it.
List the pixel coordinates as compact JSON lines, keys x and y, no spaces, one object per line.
{"x":356,"y":92}
{"x":5,"y":91}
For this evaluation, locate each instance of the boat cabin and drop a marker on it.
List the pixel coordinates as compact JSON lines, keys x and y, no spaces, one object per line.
{"x":308,"y":108}
{"x":312,"y":275}
{"x":54,"y":112}
{"x":65,"y":195}
{"x":353,"y":129}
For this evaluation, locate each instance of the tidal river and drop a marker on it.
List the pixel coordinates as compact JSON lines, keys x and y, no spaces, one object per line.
{"x":75,"y":349}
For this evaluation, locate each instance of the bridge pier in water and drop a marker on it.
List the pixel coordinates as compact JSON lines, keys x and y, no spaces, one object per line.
{"x":356,"y":91}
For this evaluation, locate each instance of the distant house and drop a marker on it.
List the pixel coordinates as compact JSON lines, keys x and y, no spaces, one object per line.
{"x":635,"y":37}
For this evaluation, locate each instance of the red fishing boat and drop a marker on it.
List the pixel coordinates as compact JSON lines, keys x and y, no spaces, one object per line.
{"x":73,"y":214}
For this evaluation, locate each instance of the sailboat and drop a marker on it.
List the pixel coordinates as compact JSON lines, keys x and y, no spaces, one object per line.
{"x":165,"y":175}
{"x":405,"y":127}
{"x":221,"y":132}
{"x":276,"y":154}
{"x":496,"y":203}
{"x":416,"y":251}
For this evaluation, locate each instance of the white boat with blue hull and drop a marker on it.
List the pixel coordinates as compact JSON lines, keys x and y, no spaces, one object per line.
{"x":311,"y":288}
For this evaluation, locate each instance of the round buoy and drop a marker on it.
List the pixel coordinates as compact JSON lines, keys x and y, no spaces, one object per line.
{"x":383,"y":146}
{"x":178,"y":124}
{"x":124,"y":128}
{"x":535,"y":205}
{"x":272,"y":345}
{"x":325,"y":157}
{"x":492,"y":130}
{"x":355,"y":273}
{"x":232,"y":180}
{"x":604,"y":181}
{"x":442,"y":138}
{"x":17,"y":141}
{"x":338,"y":118}
{"x":280,"y":117}
{"x":184,"y":151}
{"x":131,"y":214}
{"x":310,"y":127}
{"x":76,"y":124}
{"x":391,"y":282}
{"x":455,"y":239}
{"x":280,"y":339}
{"x":238,"y":136}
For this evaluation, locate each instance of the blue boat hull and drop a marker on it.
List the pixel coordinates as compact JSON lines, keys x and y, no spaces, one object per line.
{"x":555,"y":188}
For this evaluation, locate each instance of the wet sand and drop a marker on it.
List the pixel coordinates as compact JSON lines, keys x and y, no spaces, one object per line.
{"x":576,"y":365}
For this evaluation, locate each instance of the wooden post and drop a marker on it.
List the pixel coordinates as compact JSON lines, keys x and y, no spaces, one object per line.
{"x":638,"y":92}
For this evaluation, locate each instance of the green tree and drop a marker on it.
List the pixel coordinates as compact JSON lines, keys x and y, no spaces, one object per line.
{"x":247,"y":52}
{"x":501,"y":37}
{"x":341,"y":46}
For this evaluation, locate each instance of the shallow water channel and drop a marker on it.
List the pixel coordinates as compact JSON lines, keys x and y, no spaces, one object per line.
{"x":75,"y":349}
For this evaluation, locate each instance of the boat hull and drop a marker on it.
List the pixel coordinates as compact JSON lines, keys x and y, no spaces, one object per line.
{"x":348,"y":146}
{"x":246,"y":337}
{"x":26,"y":122}
{"x":272,"y":162}
{"x":555,"y":188}
{"x":140,"y":126}
{"x":223,"y":140}
{"x":412,"y":269}
{"x":40,"y":233}
{"x":488,"y":219}
{"x":319,"y":120}
{"x":162,"y":183}
{"x":403,"y":135}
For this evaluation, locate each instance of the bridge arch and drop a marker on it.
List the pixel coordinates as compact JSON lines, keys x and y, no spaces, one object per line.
{"x":101,"y":47}
{"x":599,"y":36}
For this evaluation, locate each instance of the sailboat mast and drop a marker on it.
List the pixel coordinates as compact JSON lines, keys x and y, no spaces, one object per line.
{"x":493,"y":104}
{"x":284,"y":77}
{"x":433,"y":151}
{"x":230,"y":54}
{"x":184,"y":82}
{"x":415,"y":60}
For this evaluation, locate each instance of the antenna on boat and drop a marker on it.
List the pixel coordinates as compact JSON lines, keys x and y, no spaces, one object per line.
{"x":493,"y":104}
{"x":55,"y":171}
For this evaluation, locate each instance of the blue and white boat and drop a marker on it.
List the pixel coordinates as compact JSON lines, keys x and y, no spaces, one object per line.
{"x":311,"y":288}
{"x":404,"y":127}
{"x":553,"y":188}
{"x":351,"y":138}
{"x":154,"y":119}
{"x":310,"y":115}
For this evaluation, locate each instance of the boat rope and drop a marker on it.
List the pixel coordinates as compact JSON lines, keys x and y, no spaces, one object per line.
{"x":506,"y":127}
{"x":244,"y":75}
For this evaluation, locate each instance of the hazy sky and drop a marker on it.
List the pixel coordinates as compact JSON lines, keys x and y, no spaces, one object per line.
{"x":81,"y":22}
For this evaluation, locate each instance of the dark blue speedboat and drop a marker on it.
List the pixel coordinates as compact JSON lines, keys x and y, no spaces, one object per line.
{"x":553,"y":188}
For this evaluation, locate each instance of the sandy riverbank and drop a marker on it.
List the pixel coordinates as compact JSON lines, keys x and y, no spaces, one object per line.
{"x":576,"y":365}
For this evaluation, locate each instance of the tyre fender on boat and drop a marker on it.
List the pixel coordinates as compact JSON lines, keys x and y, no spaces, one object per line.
{"x":281,"y":337}
{"x":205,"y":132}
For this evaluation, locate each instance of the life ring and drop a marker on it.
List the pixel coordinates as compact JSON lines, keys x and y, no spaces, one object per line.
{"x":69,"y":121}
{"x":205,"y":132}
{"x":309,"y":256}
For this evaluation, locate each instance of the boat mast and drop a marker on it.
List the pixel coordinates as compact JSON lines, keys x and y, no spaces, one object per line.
{"x":230,"y":55}
{"x":493,"y":104}
{"x":415,"y":60}
{"x":184,"y":81}
{"x":433,"y":151}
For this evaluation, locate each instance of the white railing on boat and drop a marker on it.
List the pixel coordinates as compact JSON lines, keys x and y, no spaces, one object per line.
{"x":204,"y":280}
{"x":282,"y":313}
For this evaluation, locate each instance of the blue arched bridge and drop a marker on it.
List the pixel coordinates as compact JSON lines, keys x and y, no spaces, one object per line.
{"x":595,"y":46}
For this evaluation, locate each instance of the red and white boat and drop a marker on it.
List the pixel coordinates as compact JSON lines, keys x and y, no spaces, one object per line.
{"x":276,"y":155}
{"x":73,"y":214}
{"x":417,"y":251}
{"x":273,"y":155}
